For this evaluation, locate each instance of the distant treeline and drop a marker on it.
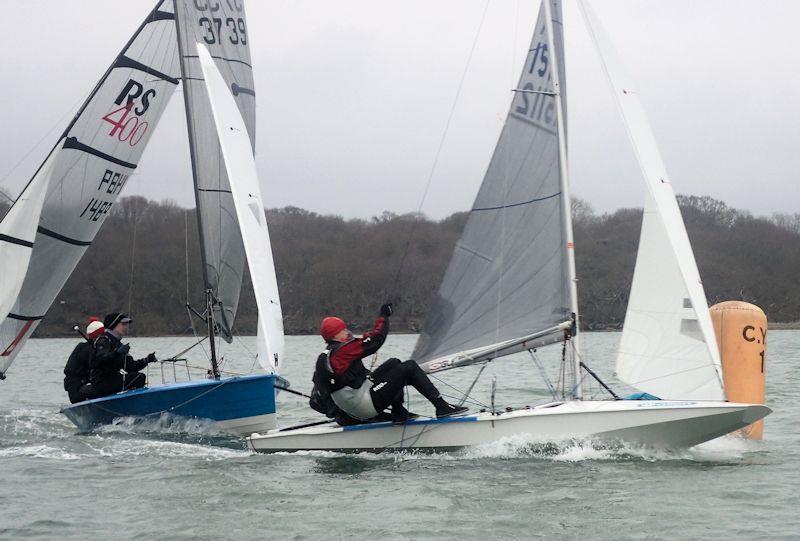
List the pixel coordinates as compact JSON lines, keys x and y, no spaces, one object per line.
{"x":330,"y":265}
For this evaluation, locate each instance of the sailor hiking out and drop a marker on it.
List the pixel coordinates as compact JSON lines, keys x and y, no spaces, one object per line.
{"x":341,"y":375}
{"x":111,"y":356}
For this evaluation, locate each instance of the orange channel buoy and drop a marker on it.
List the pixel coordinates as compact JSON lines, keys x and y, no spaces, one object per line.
{"x":741,"y":330}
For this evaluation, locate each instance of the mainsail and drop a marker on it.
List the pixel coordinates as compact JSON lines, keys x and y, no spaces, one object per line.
{"x":90,"y":165}
{"x":222,"y":27}
{"x":241,"y":169}
{"x":507,"y":286}
{"x":668,"y":346}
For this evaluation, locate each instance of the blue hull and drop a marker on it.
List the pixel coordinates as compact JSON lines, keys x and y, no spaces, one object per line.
{"x":226,"y":401}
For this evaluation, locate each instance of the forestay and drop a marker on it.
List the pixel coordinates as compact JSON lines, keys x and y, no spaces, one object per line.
{"x":241,"y":170}
{"x":91,"y":164}
{"x":222,"y":27}
{"x":668,"y":346}
{"x":508,"y":280}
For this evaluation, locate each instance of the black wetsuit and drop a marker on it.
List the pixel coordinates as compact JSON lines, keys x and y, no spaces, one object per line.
{"x":76,"y":372}
{"x":111,"y":356}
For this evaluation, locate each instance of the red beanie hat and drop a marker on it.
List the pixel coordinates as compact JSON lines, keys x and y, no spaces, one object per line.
{"x":95,"y":328}
{"x":331,"y":326}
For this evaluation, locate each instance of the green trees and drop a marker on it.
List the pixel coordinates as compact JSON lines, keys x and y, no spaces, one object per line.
{"x":329,"y":265}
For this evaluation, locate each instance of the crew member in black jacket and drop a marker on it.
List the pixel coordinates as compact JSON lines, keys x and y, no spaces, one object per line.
{"x":111,"y":356}
{"x":77,"y":370}
{"x":364,"y":395}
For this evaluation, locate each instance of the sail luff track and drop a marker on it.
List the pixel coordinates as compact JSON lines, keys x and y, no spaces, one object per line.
{"x":566,"y":204}
{"x":190,"y":131}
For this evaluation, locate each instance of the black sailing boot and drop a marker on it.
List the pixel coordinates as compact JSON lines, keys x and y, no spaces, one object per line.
{"x":400,"y":415}
{"x":445,"y":409}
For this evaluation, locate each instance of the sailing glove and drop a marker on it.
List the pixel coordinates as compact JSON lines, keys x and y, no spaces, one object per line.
{"x":386,"y":309}
{"x":152,"y":358}
{"x":124,"y":349}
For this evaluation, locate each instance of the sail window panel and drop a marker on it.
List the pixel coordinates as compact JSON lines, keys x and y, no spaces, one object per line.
{"x":691,"y":329}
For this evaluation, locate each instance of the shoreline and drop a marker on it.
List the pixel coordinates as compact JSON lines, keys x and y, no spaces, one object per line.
{"x":772,"y":326}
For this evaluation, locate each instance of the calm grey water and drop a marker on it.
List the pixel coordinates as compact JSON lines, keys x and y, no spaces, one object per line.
{"x":126,"y":481}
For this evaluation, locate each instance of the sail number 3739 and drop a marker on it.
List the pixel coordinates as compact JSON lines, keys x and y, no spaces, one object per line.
{"x":215,"y":27}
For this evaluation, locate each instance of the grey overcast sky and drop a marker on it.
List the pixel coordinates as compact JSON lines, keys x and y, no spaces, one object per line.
{"x":353,"y":97}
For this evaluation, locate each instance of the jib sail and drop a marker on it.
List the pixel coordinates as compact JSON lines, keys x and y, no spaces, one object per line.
{"x":90,"y":165}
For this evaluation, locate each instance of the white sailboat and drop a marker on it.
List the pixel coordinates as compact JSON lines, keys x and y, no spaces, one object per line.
{"x":511,"y":286}
{"x":205,"y":48}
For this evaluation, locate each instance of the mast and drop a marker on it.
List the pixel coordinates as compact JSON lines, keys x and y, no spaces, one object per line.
{"x":211,"y":337}
{"x":566,"y":207}
{"x":190,"y":130}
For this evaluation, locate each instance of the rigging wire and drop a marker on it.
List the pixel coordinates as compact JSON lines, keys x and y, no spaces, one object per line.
{"x":250,"y":353}
{"x":459,"y":391}
{"x":60,"y":122}
{"x":133,"y":258}
{"x":442,"y":140}
{"x":472,"y":385}
{"x":543,"y":374}
{"x":186,"y":248}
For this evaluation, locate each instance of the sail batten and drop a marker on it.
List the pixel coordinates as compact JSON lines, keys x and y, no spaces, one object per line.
{"x":508,"y":278}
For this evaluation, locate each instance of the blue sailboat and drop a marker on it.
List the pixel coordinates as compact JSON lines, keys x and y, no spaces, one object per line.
{"x":87,"y":169}
{"x":240,"y":405}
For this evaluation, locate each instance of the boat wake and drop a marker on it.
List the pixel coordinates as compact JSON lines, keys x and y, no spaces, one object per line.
{"x":166,"y":449}
{"x":39,"y":451}
{"x":23,"y":424}
{"x":172,"y":428}
{"x":728,"y":449}
{"x":725,"y":450}
{"x":45,"y":434}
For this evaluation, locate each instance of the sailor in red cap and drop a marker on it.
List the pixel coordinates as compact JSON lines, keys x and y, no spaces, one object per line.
{"x":76,"y":372}
{"x":341,"y":377}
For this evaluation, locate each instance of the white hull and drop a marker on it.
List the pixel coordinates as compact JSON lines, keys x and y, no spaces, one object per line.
{"x":650,"y":423}
{"x":244,"y":426}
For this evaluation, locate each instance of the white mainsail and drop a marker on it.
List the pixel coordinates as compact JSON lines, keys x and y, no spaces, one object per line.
{"x":507,"y":287}
{"x":91,"y":163}
{"x":668,"y":346}
{"x":222,"y":27}
{"x":241,"y":171}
